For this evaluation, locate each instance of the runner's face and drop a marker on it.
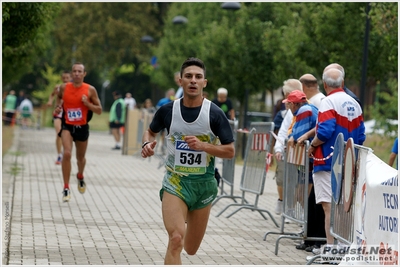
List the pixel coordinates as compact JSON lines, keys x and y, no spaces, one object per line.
{"x":66,"y":77}
{"x":193,"y":81}
{"x":78,"y":72}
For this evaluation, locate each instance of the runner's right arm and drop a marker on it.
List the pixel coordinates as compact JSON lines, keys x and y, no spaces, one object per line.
{"x":52,"y":96}
{"x":59,"y":99}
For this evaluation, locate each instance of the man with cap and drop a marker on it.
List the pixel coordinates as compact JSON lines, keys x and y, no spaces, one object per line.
{"x":305,"y":113}
{"x":224,"y":103}
{"x":117,"y":118}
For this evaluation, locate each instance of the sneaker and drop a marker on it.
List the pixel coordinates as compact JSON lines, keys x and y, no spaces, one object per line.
{"x":58,"y":161}
{"x":81,"y":186}
{"x":66,"y":195}
{"x":116,"y":148}
{"x":316,"y":251}
{"x":310,"y":249}
{"x":302,"y":246}
{"x":279,"y":207}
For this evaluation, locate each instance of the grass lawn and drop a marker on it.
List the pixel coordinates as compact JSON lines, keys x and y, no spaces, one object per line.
{"x":100,"y":122}
{"x":382,"y":145}
{"x":8,"y":135}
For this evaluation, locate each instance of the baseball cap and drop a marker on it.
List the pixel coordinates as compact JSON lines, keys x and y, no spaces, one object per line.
{"x":295,"y":96}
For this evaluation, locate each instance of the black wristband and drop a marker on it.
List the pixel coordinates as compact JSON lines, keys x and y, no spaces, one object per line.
{"x":145,"y":143}
{"x":313,"y":145}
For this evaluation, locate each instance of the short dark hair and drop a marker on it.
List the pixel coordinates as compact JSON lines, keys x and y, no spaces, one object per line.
{"x":79,"y":63}
{"x":193,"y":61}
{"x":67,"y":72}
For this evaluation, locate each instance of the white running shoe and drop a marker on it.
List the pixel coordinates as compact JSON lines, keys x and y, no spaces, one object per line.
{"x":279,"y":207}
{"x":66,"y":195}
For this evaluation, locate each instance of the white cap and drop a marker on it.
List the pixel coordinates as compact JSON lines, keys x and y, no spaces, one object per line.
{"x":222,"y":91}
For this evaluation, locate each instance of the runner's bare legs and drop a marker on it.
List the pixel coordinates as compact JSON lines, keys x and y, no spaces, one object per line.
{"x":175,"y":213}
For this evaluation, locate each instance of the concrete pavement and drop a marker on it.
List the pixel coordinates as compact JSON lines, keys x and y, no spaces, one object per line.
{"x":118,"y":219}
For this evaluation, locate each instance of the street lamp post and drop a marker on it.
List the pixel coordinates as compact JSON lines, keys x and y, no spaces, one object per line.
{"x":103,"y":92}
{"x":233,"y":6}
{"x":179,"y":20}
{"x":365,"y":57}
{"x":147,"y":39}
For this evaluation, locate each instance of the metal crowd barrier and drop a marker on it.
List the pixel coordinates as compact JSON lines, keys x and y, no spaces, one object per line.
{"x":255,"y":168}
{"x":296,"y":191}
{"x":228,"y":171}
{"x":341,"y":218}
{"x":137,"y":122}
{"x":35,"y":118}
{"x":342,"y":221}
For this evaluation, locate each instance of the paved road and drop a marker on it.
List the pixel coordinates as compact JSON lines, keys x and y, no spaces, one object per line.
{"x":118,"y":219}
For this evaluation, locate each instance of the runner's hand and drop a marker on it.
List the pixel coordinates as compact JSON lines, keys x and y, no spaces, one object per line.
{"x":278,"y":156}
{"x":85,"y":100}
{"x":58,"y":108}
{"x":194,"y":143}
{"x":148,"y":149}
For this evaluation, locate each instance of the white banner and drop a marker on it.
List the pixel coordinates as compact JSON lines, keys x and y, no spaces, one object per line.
{"x":376,"y":222}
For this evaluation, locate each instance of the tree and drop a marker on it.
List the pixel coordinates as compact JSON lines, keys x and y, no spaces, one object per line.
{"x":25,"y":27}
{"x":228,"y":42}
{"x":384,"y":17}
{"x":103,"y":35}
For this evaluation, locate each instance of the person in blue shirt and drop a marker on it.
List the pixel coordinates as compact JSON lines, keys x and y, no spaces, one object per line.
{"x":393,"y":154}
{"x":169,"y":96}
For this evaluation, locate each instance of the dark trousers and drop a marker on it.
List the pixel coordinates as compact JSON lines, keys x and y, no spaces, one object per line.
{"x":9,"y":118}
{"x":316,"y":220}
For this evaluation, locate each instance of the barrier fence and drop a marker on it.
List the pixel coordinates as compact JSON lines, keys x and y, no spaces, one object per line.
{"x":347,"y":156}
{"x":228,"y":171}
{"x":137,"y":122}
{"x":35,"y":120}
{"x":296,"y":191}
{"x":255,"y":168}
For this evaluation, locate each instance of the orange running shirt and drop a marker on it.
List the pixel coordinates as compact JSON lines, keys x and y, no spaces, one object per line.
{"x":75,"y":111}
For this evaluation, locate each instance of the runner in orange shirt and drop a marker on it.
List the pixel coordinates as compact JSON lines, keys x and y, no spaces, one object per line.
{"x":78,"y":101}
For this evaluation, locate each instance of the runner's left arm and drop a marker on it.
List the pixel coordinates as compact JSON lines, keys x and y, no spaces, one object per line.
{"x":94,"y":103}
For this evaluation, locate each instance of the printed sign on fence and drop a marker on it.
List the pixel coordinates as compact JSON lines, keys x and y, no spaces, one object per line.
{"x":296,"y":154}
{"x":260,"y":141}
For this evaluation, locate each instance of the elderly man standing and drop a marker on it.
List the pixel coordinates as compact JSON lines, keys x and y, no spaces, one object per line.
{"x":338,"y":113}
{"x":289,"y":86}
{"x":316,"y":217}
{"x":346,"y":90}
{"x":224,"y":103}
{"x":311,"y":89}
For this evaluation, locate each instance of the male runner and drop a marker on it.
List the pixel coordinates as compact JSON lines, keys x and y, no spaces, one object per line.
{"x":193,"y":124}
{"x":78,"y":100}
